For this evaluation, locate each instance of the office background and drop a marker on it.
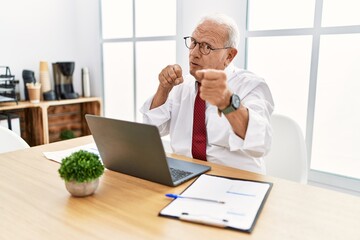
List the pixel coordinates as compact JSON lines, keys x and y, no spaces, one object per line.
{"x":307,"y":50}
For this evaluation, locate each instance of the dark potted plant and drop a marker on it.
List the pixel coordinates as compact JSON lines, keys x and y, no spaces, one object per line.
{"x":81,"y":172}
{"x":67,"y":134}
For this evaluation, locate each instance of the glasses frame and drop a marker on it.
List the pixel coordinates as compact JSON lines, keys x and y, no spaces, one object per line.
{"x":202,"y":45}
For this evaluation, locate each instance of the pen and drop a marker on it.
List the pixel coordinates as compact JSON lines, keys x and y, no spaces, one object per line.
{"x":204,"y":220}
{"x":175,"y":196}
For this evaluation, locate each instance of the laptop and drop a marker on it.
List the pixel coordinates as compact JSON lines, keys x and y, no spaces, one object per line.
{"x":136,"y":149}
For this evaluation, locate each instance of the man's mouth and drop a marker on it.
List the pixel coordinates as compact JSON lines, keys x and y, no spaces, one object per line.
{"x":195,"y":64}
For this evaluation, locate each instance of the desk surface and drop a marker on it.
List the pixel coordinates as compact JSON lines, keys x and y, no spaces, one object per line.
{"x":34,"y":204}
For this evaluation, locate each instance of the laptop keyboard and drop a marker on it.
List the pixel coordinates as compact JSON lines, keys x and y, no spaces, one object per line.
{"x":178,"y":174}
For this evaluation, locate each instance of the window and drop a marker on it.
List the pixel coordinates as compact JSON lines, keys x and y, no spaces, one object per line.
{"x":309,"y":51}
{"x":146,"y":67}
{"x":270,"y":57}
{"x":340,"y":13}
{"x":118,"y":84}
{"x":132,"y":36}
{"x":280,"y":14}
{"x":117,"y":19}
{"x":337,"y":104}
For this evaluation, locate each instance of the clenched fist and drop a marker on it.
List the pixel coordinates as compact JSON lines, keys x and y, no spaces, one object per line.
{"x":214,"y":88}
{"x":170,"y":76}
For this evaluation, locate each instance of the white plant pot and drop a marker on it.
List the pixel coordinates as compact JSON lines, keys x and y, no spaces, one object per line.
{"x":82,"y":189}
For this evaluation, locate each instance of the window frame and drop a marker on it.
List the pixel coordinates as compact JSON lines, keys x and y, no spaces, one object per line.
{"x":132,"y":40}
{"x":315,"y":177}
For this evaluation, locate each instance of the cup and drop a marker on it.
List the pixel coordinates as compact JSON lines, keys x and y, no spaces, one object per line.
{"x":34,"y":91}
{"x":44,"y":77}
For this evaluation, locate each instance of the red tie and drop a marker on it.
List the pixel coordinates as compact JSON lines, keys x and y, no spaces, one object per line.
{"x":198,"y":149}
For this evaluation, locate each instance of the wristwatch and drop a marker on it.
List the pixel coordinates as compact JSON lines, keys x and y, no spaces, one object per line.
{"x":234,"y":104}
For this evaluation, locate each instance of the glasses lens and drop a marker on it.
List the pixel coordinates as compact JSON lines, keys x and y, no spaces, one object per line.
{"x":189,"y":43}
{"x":205,"y":48}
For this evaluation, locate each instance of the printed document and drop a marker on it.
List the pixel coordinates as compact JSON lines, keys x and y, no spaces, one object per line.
{"x":237,"y":203}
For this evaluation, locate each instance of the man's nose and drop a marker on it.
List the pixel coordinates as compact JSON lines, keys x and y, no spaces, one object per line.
{"x":196,"y":50}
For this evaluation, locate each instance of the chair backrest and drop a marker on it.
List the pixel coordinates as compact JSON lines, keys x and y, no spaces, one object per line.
{"x":287,"y":157}
{"x":10,"y":141}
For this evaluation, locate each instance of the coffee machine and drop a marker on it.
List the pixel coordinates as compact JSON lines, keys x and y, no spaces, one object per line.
{"x":63,"y":78}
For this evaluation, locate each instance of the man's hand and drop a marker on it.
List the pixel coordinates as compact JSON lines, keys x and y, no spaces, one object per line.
{"x":214,"y":88}
{"x":170,"y":77}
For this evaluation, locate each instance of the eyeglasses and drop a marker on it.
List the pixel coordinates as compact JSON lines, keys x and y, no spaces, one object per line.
{"x":204,"y":47}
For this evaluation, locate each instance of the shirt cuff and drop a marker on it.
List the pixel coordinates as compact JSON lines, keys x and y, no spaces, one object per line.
{"x":151,"y":116}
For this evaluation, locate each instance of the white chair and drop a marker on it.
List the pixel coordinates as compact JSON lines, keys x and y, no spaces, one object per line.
{"x":10,"y":141}
{"x":287,"y":157}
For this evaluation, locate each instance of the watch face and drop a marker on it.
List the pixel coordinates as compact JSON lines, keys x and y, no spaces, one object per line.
{"x":235,"y":101}
{"x":234,"y":105}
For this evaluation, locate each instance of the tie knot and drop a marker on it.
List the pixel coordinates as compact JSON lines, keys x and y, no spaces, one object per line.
{"x":198,"y":87}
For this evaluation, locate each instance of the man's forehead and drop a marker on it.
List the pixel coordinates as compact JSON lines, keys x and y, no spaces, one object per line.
{"x":209,"y":32}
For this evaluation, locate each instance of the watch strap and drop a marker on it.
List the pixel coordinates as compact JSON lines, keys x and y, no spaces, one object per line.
{"x":231,"y":107}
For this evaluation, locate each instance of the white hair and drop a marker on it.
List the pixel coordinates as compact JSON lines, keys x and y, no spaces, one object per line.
{"x":230,"y":26}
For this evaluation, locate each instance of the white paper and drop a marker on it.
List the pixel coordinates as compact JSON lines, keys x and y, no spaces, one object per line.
{"x":242,"y":201}
{"x":59,"y":155}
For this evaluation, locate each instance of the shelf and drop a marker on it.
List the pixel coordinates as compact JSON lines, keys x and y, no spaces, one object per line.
{"x":7,"y":86}
{"x":41,"y":123}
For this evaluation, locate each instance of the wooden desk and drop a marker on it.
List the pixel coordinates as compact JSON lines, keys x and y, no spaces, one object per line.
{"x":34,"y":204}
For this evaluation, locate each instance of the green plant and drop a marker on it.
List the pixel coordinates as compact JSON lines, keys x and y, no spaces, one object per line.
{"x":67,"y":134}
{"x":81,"y":166}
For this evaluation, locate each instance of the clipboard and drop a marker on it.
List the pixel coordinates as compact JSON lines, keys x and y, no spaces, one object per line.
{"x":220,"y":201}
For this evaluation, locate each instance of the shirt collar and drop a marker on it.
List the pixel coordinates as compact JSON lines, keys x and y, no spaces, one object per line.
{"x":229,"y":70}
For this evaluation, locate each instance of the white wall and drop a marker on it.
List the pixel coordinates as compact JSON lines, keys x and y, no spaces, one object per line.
{"x":58,"y":30}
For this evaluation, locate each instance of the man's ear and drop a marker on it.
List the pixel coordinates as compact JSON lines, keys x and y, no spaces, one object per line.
{"x":231,"y":55}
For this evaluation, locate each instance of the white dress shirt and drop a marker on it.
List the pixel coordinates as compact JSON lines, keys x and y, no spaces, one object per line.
{"x":175,"y":117}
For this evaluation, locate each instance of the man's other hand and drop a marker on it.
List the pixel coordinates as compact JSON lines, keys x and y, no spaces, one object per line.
{"x":170,"y":76}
